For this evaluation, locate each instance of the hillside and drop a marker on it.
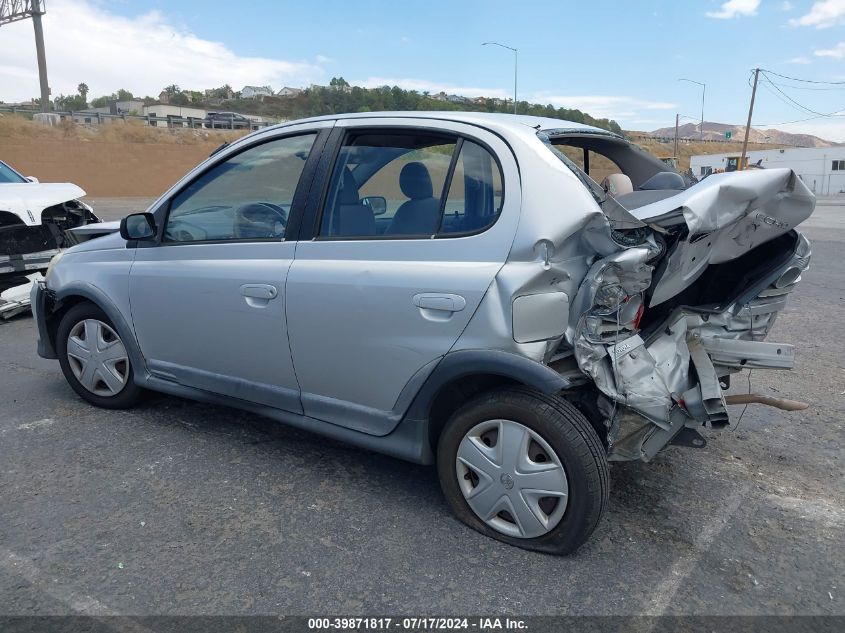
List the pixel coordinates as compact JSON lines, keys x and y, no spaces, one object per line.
{"x":716,"y":132}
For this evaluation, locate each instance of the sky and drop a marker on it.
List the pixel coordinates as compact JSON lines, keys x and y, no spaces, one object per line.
{"x":620,"y":59}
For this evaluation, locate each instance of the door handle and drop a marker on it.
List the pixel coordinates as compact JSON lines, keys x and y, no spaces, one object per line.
{"x":258,"y":295}
{"x":259,"y":291}
{"x":440,"y":301}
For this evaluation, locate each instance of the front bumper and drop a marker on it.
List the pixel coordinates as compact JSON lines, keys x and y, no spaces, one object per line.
{"x":42,"y":301}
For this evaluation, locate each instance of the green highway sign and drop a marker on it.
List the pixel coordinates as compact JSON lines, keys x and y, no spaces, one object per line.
{"x":728,"y":135}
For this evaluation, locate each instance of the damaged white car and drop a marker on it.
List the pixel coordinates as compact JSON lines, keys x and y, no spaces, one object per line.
{"x":34,"y":218}
{"x":444,"y":287}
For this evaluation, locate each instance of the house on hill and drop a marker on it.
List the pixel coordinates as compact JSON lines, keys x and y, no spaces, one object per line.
{"x":289,"y":92}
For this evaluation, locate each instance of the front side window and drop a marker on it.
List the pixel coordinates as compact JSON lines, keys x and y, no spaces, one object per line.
{"x":838,"y":165}
{"x":246,"y":197}
{"x":410,"y":185}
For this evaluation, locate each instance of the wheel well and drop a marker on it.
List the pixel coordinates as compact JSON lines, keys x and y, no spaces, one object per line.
{"x":60,"y":309}
{"x":456,"y":393}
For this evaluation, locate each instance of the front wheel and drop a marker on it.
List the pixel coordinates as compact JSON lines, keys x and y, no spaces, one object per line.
{"x":524,"y":468}
{"x":94,"y":359}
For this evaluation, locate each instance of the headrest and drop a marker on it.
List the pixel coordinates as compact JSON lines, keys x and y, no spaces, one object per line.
{"x":617,"y":185}
{"x":348,"y":193}
{"x":415,"y":181}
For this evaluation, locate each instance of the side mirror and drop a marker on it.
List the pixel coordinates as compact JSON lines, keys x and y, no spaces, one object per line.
{"x":377,"y":203}
{"x":138,"y":226}
{"x":32,"y":179}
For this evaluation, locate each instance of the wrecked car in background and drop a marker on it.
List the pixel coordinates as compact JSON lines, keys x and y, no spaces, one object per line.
{"x":445,"y":287}
{"x":34,"y":222}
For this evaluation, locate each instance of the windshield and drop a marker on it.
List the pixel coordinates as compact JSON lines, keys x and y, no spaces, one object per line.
{"x":7,"y":174}
{"x":620,"y":218}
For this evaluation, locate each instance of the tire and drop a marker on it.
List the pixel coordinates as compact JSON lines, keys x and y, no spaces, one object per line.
{"x":76,"y":331}
{"x":559,"y":436}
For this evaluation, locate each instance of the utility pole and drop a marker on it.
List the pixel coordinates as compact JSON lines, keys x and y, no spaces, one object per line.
{"x":675,"y":151}
{"x":741,"y":165}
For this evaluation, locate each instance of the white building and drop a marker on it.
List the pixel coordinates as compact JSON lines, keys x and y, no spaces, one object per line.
{"x":821,"y":168}
{"x":163,"y":110}
{"x":256,"y":92}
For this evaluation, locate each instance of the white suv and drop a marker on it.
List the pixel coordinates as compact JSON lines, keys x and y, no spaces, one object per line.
{"x":449,"y":287}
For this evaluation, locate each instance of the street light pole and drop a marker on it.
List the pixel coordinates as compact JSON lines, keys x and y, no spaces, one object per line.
{"x":40,"y":54}
{"x":703,"y":92}
{"x":515,"y":66}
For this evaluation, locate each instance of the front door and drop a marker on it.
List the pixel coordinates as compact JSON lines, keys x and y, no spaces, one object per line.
{"x":208,"y":301}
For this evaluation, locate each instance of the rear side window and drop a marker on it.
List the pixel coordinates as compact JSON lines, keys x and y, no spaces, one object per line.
{"x":410,"y":185}
{"x":475,"y":193}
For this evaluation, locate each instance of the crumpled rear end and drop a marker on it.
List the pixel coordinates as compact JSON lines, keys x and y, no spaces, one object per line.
{"x":662,"y":366}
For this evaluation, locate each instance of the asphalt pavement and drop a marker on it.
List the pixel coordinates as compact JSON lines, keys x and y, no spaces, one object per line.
{"x":183,"y":508}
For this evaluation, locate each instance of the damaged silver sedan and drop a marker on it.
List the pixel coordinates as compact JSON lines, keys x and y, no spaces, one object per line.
{"x":449,"y":288}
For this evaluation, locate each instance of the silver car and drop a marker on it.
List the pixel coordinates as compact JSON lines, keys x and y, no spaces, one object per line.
{"x":449,"y":288}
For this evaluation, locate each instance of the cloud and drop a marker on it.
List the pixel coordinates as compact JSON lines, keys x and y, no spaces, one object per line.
{"x":605,"y":106}
{"x":828,"y":130}
{"x":786,"y":6}
{"x":735,"y":8}
{"x":799,"y":60}
{"x":822,"y":15}
{"x":143,"y":54}
{"x":837,"y":52}
{"x":424,"y":85}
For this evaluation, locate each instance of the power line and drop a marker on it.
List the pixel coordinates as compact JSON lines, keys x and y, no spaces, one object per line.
{"x":803,"y":107}
{"x":812,"y":118}
{"x":806,"y":81}
{"x":789,"y":100}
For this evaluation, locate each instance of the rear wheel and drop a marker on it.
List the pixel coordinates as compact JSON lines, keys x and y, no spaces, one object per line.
{"x":94,"y":359}
{"x":524,"y":468}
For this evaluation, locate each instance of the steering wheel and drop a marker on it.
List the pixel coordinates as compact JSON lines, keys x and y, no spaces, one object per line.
{"x":185,"y":231}
{"x":260,"y":220}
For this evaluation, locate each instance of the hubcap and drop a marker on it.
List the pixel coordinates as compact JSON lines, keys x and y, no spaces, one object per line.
{"x":97,"y":357}
{"x":511,"y":478}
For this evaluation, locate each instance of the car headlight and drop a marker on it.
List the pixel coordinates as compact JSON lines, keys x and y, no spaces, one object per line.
{"x":52,"y":264}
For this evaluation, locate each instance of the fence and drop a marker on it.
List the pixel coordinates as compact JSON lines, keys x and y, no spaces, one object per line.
{"x":690,"y":139}
{"x":170,"y":121}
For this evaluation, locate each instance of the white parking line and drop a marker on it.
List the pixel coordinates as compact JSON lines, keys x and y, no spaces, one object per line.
{"x":665,"y":592}
{"x":27,"y":426}
{"x":79,"y":603}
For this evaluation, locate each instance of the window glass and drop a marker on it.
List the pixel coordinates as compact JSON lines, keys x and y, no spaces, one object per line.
{"x":475,"y":193}
{"x":388,"y":184}
{"x":246,"y":197}
{"x":7,"y":174}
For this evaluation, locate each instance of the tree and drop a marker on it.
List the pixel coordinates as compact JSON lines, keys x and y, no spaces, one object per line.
{"x":172,"y":90}
{"x":180,"y":98}
{"x":124,"y":95}
{"x":82,"y":89}
{"x":101,"y":102}
{"x":69,"y":103}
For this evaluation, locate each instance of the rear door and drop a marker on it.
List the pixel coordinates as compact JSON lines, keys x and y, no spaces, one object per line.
{"x":378,"y":292}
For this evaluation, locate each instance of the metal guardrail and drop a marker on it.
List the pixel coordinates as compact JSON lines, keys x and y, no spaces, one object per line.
{"x":170,"y":121}
{"x":690,"y":139}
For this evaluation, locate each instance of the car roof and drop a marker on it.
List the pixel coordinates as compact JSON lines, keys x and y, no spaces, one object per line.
{"x":517,"y":122}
